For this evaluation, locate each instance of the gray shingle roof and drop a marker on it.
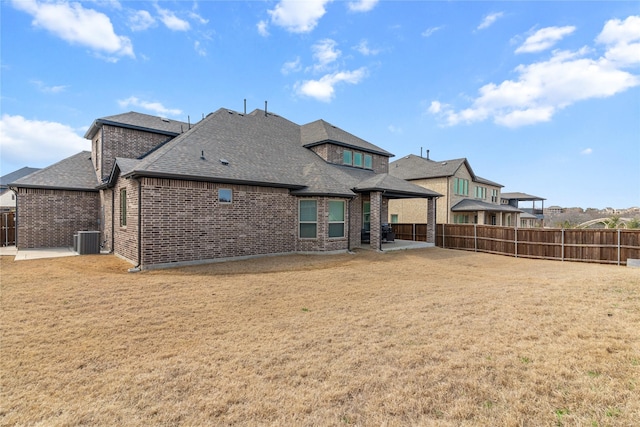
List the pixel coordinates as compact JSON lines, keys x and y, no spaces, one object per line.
{"x":258,"y":149}
{"x":320,"y":132}
{"x":15,"y":175}
{"x":140,"y":121}
{"x":415,"y":167}
{"x":468,"y":205}
{"x":73,"y":173}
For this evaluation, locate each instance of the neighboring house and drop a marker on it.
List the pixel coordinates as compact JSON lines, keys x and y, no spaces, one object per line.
{"x":530,"y":217}
{"x":8,"y":197}
{"x":467,"y":198}
{"x":165,"y":193}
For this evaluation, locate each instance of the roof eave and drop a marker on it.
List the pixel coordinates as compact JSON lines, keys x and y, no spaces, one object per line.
{"x":95,"y":126}
{"x":146,"y":174}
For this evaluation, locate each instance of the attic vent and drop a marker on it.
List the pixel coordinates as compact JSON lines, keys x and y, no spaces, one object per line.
{"x":229,"y":111}
{"x":164,"y":119}
{"x":444,"y":163}
{"x":224,"y":161}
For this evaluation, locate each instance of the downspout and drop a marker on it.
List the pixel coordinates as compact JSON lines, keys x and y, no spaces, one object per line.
{"x":349,"y":225}
{"x":113,"y":220}
{"x":15,"y":221}
{"x":448,"y":208}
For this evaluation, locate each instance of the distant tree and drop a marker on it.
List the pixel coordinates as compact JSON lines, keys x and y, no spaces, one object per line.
{"x":633,"y":223}
{"x":613,"y":222}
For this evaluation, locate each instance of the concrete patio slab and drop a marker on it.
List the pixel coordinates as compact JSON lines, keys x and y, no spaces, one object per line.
{"x":27,"y":254}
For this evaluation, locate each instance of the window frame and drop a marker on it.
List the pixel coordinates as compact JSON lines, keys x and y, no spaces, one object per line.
{"x":356,"y":163}
{"x":333,"y":222}
{"x":346,"y":152}
{"x":302,"y":222}
{"x":224,"y":201}
{"x":123,"y":207}
{"x":461,"y":186}
{"x":368,"y":161}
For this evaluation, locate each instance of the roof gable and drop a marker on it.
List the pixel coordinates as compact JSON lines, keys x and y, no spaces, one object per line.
{"x":414,"y":167}
{"x":321,"y":132}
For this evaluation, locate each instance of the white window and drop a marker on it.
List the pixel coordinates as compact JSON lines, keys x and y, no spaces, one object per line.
{"x":308,"y":214}
{"x":336,"y":218}
{"x":225,"y":195}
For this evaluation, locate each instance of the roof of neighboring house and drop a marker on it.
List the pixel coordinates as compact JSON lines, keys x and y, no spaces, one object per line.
{"x":520,"y":197}
{"x":139,"y":121}
{"x":414,"y":167}
{"x":73,"y":173}
{"x":469,"y":205}
{"x":321,"y":132}
{"x":7,"y":179}
{"x":258,"y":149}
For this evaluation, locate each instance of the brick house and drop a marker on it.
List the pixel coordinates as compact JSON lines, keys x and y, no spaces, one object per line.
{"x":166,"y":193}
{"x":467,"y":198}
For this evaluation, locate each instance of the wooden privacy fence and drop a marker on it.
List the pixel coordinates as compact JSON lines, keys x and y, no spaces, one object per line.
{"x":607,"y":246}
{"x":7,"y":228}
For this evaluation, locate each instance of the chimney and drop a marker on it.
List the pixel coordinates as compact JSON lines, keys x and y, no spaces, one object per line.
{"x":265,"y":108}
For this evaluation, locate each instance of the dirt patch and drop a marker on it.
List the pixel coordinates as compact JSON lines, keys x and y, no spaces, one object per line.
{"x":422,"y":337}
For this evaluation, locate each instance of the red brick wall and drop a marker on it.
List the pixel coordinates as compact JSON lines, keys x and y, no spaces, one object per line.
{"x":50,"y":218}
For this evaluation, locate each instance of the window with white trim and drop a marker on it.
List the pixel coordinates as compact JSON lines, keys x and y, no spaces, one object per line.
{"x":336,"y":218}
{"x":308,"y":218}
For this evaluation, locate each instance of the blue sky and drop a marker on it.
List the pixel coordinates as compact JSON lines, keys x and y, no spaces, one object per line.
{"x":542,"y":97}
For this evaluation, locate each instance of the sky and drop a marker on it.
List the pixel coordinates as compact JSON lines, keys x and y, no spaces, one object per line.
{"x":542,"y":97}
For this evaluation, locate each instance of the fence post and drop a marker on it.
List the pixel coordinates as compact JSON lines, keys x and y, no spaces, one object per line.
{"x":475,"y":237}
{"x":413,"y":231}
{"x":443,"y":235}
{"x":562,"y":256}
{"x":515,"y":231}
{"x":618,"y":246}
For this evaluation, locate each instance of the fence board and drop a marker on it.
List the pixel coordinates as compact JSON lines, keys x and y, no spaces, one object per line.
{"x":607,"y":246}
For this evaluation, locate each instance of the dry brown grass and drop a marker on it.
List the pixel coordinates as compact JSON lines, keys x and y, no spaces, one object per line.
{"x":424,"y":337}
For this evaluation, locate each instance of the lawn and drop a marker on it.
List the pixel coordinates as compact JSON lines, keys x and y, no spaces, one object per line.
{"x":423,"y":337}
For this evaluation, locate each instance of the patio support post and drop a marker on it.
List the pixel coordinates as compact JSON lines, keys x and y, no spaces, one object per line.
{"x":431,"y":221}
{"x":376,"y":220}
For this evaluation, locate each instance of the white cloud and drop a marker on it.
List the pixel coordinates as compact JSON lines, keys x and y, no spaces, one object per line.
{"x":291,"y":66}
{"x":543,"y":88}
{"x":586,"y":151}
{"x":200,"y":50}
{"x":154,"y":107}
{"x":42,"y":87}
{"x":263,"y":28}
{"x":298,"y":16}
{"x":325,"y":53}
{"x":364,"y":49}
{"x":544,"y":38}
{"x":171,"y":21}
{"x":394,"y":129}
{"x":36,"y":142}
{"x":489,"y":20}
{"x":77,"y":25}
{"x":141,"y":20}
{"x":324,"y":88}
{"x":362,"y":5}
{"x":429,"y":31}
{"x":622,"y":39}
